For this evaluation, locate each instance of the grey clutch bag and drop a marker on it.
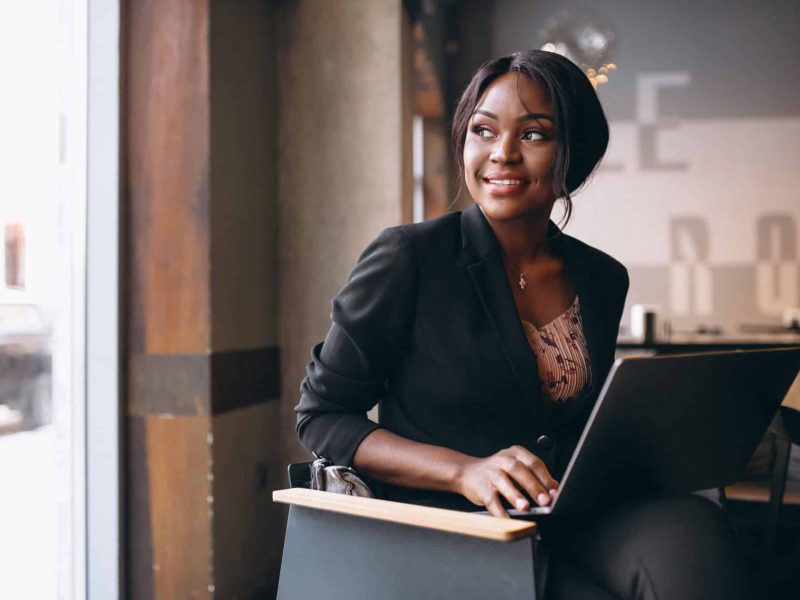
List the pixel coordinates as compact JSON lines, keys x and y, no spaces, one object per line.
{"x":328,"y":477}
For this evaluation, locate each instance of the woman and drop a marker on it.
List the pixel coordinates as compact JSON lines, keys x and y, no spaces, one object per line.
{"x":486,"y":335}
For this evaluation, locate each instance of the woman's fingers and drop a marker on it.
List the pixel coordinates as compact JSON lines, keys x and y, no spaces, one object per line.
{"x":511,"y":474}
{"x":528,"y":481}
{"x":536,"y":465}
{"x":495,"y":507}
{"x":502,"y":482}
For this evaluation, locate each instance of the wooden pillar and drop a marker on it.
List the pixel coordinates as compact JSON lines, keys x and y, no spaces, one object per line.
{"x":207,"y":437}
{"x":202,"y":365}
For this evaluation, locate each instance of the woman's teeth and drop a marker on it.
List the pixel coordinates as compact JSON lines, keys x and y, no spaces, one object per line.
{"x":505,"y":181}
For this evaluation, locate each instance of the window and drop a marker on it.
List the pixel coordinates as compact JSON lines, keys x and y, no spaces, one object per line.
{"x":59,"y":416}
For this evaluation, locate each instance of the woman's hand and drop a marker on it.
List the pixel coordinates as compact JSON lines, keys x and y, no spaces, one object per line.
{"x":482,"y":481}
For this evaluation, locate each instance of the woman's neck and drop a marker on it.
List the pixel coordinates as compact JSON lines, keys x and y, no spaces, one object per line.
{"x":522,"y":241}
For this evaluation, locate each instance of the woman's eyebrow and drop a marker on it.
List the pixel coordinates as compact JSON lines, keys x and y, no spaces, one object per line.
{"x":528,"y":117}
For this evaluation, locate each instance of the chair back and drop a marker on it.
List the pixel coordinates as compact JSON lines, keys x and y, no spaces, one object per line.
{"x":300,"y":475}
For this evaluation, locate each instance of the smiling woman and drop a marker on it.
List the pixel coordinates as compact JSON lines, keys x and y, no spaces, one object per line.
{"x":486,"y":337}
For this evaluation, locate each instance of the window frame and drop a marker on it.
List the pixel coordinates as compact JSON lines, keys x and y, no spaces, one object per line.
{"x":104,"y":549}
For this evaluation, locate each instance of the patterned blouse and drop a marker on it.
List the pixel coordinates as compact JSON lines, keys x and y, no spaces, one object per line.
{"x":561,"y":354}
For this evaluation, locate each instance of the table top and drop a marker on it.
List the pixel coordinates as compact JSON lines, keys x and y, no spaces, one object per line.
{"x":700,"y":342}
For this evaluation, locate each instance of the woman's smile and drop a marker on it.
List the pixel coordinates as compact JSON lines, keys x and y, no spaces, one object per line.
{"x":505,"y":183}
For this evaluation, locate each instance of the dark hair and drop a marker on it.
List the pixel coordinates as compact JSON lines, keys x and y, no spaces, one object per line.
{"x":580,"y":120}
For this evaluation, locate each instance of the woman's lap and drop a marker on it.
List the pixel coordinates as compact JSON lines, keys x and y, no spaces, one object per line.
{"x":568,"y":582}
{"x":663,"y":548}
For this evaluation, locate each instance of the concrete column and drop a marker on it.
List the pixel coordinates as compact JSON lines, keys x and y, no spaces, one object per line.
{"x":344,"y":160}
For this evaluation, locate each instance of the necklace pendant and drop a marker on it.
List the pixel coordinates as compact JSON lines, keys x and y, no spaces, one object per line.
{"x":522,"y":283}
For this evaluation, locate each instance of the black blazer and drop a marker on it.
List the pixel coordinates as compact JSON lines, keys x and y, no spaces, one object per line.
{"x":427,"y":327}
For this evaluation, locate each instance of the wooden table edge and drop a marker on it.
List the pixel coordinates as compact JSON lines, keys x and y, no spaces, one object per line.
{"x":440,"y":519}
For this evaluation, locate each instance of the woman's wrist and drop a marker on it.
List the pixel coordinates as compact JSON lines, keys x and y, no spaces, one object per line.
{"x":460,"y":464}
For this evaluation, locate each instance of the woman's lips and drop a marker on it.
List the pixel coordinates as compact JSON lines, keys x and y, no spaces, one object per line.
{"x":504,"y":186}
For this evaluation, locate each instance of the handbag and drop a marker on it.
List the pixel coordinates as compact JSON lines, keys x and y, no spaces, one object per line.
{"x":327,"y":477}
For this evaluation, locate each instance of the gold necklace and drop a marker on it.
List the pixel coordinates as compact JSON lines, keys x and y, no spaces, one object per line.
{"x":521,"y":282}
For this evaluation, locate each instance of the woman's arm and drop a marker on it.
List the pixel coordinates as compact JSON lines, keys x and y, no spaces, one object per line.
{"x":371,"y":320}
{"x":372,"y":316}
{"x":388,"y":457}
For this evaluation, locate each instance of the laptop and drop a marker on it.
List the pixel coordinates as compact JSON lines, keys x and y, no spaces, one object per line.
{"x":673,"y":424}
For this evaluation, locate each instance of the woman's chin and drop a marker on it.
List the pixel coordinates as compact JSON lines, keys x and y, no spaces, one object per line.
{"x":510,"y":209}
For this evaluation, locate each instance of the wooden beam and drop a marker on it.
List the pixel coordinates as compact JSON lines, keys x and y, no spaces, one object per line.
{"x":167,"y":190}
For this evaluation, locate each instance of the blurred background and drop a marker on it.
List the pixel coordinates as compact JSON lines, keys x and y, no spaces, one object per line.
{"x":185,"y":185}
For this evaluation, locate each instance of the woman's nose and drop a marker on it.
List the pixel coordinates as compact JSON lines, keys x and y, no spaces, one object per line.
{"x":505,"y":150}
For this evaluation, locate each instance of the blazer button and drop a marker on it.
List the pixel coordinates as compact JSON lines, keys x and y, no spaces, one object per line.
{"x":544,"y":442}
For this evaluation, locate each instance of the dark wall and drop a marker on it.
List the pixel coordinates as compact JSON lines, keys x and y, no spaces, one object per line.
{"x":743,"y":53}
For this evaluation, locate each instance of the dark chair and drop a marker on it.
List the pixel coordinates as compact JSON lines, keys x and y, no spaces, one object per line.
{"x":765,"y":502}
{"x":786,"y":429}
{"x":300,"y":475}
{"x":347,"y":547}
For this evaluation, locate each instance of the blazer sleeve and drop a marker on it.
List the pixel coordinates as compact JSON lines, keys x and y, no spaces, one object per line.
{"x":370,"y":324}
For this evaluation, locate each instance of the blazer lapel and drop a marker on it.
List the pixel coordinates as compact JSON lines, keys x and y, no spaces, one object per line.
{"x":591,"y":302}
{"x":491,"y":284}
{"x":486,"y":269}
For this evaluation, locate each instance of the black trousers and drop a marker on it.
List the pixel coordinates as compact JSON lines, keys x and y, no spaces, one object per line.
{"x":667,"y":548}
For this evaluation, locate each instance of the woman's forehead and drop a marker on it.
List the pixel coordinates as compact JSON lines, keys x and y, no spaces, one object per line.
{"x":513,"y":95}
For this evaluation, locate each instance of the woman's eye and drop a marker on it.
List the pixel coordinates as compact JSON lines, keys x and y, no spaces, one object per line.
{"x":481,"y":132}
{"x":530,"y":136}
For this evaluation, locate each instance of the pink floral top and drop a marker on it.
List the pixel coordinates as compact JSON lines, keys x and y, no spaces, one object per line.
{"x":561,"y":354}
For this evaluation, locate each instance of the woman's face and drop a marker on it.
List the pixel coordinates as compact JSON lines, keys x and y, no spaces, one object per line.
{"x":509,"y":150}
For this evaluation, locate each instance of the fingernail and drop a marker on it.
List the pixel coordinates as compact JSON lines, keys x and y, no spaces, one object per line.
{"x":521,"y":504}
{"x":543,"y":499}
{"x":553,"y":493}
